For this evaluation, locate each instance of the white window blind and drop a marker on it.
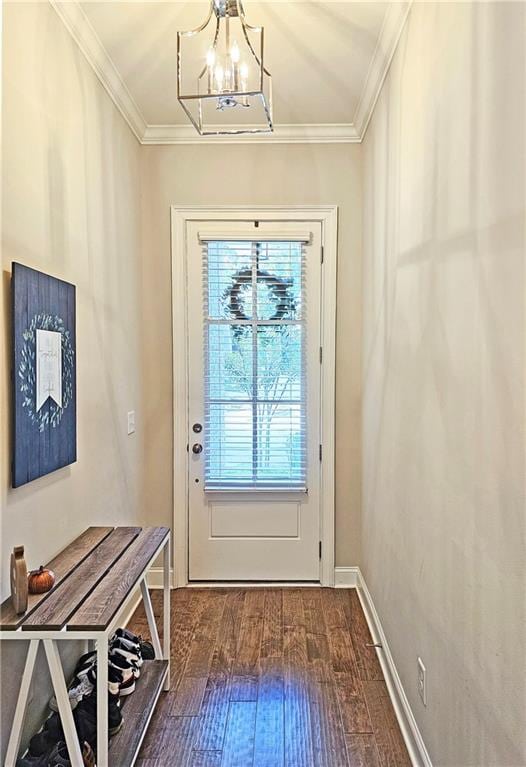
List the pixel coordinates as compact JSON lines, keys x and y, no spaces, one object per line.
{"x":255,"y":377}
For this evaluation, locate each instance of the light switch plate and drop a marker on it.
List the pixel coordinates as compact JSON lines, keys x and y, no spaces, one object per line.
{"x":131,"y":422}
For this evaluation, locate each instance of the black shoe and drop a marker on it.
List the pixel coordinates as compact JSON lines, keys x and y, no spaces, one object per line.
{"x":147,"y":651}
{"x":85,"y":661}
{"x":59,"y":756}
{"x":53,"y":728}
{"x":87,"y":717}
{"x":126,"y":644}
{"x":129,"y":635}
{"x":132,"y":656}
{"x":118,"y":661}
{"x":32,"y":761}
{"x":41,"y":743}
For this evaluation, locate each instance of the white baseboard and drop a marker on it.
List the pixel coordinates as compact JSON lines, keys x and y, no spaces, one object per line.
{"x":346,"y":577}
{"x":155,"y":578}
{"x":412,"y":736}
{"x":135,"y":604}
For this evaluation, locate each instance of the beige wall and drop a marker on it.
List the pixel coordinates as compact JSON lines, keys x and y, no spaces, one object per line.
{"x":71,"y":208}
{"x":252,"y":175}
{"x":444,"y":332}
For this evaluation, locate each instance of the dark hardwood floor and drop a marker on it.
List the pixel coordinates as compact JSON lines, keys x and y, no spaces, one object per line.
{"x":271,"y":678}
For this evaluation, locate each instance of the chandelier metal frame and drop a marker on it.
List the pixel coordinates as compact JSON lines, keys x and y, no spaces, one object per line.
{"x":223,"y":10}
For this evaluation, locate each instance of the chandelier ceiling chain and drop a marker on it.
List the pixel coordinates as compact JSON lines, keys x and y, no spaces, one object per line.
{"x":221,"y":74}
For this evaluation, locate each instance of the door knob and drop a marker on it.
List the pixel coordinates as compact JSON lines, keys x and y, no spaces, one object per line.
{"x":197,"y":448}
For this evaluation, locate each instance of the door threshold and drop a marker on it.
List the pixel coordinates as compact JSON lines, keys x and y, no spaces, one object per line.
{"x":251,"y":584}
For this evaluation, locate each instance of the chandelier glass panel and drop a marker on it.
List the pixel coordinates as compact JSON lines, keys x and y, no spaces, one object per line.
{"x":222,"y":83}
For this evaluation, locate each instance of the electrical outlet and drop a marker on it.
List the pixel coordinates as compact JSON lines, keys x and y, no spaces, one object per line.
{"x":422,"y":685}
{"x":131,"y":422}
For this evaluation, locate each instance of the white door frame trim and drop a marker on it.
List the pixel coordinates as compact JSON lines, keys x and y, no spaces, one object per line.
{"x":327,"y":215}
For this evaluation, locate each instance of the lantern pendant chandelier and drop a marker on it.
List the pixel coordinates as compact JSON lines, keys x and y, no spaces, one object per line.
{"x":222,"y":83}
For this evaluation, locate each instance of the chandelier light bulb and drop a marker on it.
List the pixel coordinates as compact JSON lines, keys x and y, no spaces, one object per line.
{"x":210,"y":57}
{"x":219,"y":76}
{"x":243,"y":70}
{"x":234,"y":53}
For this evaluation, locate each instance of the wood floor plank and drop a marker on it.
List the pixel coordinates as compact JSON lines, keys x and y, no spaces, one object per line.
{"x":341,"y":649}
{"x":177,"y":741}
{"x":344,"y":599}
{"x":272,"y":639}
{"x":204,"y":639}
{"x":205,"y":759}
{"x":213,"y":714}
{"x":269,"y":746}
{"x":362,"y":751}
{"x":238,"y":749}
{"x":334,"y":613}
{"x":227,"y":646}
{"x":215,"y":706}
{"x":342,"y":652}
{"x":366,"y":657}
{"x":353,"y":708}
{"x":298,"y":730}
{"x":293,"y":612}
{"x":389,"y":741}
{"x":328,"y":737}
{"x":245,"y":669}
{"x":189,"y":696}
{"x":185,"y":616}
{"x":316,"y":635}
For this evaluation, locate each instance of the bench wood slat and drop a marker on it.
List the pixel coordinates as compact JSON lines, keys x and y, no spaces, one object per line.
{"x":137,"y":710}
{"x":100,"y":607}
{"x":62,"y":565}
{"x":54,"y":612}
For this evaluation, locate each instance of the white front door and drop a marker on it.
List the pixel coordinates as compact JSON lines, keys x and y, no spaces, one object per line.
{"x":254,"y":400}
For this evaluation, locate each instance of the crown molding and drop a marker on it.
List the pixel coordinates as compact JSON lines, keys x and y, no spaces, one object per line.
{"x":392,"y":28}
{"x":81,"y":30}
{"x":78,"y":25}
{"x":283,"y":134}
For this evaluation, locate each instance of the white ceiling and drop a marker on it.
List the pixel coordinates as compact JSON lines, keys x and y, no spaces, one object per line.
{"x":327,"y":59}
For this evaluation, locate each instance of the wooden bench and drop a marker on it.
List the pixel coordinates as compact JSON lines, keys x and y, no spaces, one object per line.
{"x":96,"y":578}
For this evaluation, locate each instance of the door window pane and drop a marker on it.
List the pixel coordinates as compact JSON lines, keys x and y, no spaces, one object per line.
{"x":255,"y":398}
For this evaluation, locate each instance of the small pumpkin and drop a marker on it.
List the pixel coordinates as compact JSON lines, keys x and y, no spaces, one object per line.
{"x":41,"y":580}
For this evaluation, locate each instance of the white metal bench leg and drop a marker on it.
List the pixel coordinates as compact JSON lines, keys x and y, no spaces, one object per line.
{"x":166,"y":609}
{"x":102,"y":702}
{"x":63,"y":704}
{"x":21,"y":704}
{"x":151,"y":619}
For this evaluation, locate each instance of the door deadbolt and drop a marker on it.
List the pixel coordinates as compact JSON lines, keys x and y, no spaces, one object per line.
{"x":197,"y":428}
{"x":197,"y":448}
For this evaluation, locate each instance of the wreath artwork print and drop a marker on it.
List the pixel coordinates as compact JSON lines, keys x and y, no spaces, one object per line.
{"x":44,"y":374}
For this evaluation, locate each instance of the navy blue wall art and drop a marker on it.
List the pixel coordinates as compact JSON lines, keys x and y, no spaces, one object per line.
{"x":44,"y":374}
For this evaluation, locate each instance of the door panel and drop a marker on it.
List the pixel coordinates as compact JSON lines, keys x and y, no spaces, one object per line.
{"x":254,"y":391}
{"x":254,"y":519}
